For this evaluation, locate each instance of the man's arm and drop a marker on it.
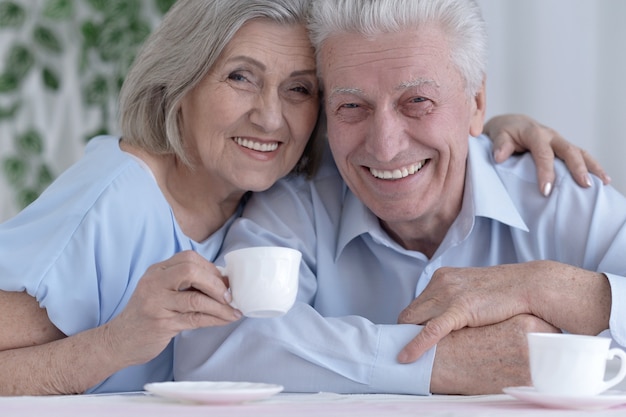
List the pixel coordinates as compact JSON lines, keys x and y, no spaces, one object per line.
{"x":484,"y":360}
{"x":570,"y":298}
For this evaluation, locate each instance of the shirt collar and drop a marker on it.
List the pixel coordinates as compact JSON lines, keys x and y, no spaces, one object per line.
{"x":483,"y":185}
{"x":485,"y":196}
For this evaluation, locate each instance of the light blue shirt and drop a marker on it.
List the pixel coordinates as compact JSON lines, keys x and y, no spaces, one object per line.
{"x":355,"y":280}
{"x":81,"y":248}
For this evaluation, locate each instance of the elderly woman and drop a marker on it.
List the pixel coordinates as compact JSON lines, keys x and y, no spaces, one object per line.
{"x":113,"y":260}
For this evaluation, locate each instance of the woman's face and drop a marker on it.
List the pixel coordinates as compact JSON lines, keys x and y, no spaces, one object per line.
{"x":246,"y":124}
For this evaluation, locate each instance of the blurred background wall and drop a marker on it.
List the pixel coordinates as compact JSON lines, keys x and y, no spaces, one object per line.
{"x":61,"y":66}
{"x":62,"y":61}
{"x":564,"y":63}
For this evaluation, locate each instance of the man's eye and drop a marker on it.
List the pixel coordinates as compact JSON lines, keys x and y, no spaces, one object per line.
{"x":418,"y":100}
{"x":350,"y":106}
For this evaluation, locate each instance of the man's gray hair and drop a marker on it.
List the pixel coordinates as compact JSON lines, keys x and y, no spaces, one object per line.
{"x":460,"y":20}
{"x":176,"y":57}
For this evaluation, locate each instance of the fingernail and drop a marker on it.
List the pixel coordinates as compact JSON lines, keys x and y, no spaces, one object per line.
{"x":403,"y":357}
{"x":547,"y":189}
{"x":497,"y":155}
{"x":238,"y":314}
{"x":228,"y":297}
{"x":587,"y":180}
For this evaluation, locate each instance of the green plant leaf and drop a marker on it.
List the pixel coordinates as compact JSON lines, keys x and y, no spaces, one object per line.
{"x":50,"y":79}
{"x":11,"y":14}
{"x":30,"y":143}
{"x":9,"y":112}
{"x":113,"y":42}
{"x":47,"y":39}
{"x":58,"y":9}
{"x":19,"y":61}
{"x":44,"y":177}
{"x":97,"y":90}
{"x":164,"y":5}
{"x":139,"y":30}
{"x":26,"y":196}
{"x":98,"y":5}
{"x":8,"y":83}
{"x":15,"y":170}
{"x":91,"y":33}
{"x":101,"y":131}
{"x":122,"y":9}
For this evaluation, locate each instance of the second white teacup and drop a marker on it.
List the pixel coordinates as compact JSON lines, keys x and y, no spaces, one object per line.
{"x":572,"y":365}
{"x":263,"y":280}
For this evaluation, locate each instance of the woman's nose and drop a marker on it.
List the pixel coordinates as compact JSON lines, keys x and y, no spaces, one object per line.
{"x":267,"y":113}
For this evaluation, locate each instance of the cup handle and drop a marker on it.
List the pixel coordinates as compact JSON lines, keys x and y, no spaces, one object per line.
{"x":622,"y":368}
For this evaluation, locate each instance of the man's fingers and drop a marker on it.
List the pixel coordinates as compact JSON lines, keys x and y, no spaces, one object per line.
{"x":435,"y":330}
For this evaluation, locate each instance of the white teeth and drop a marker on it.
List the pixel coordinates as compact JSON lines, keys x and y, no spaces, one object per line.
{"x":257,"y":146}
{"x":396,"y":174}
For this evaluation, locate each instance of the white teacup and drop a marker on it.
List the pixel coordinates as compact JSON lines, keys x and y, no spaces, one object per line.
{"x":263,"y":280}
{"x":572,"y":365}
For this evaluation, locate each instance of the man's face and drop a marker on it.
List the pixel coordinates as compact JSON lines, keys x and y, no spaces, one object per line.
{"x":398,"y":122}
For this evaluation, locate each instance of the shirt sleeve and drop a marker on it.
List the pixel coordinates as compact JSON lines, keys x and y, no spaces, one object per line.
{"x":617,"y":323}
{"x":303,"y":350}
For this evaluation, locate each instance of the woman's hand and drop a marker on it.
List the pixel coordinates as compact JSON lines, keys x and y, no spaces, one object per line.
{"x":184,"y":292}
{"x":518,"y":133}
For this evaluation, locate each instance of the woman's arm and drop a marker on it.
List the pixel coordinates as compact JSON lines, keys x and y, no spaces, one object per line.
{"x":183,"y":292}
{"x":517,"y":133}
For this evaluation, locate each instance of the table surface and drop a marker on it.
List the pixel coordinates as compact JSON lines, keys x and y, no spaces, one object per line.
{"x":285,"y":404}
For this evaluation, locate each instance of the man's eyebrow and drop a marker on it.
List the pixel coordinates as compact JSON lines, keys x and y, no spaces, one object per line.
{"x":346,"y":90}
{"x":418,"y":82}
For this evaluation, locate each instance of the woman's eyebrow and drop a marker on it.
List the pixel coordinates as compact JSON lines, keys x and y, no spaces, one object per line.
{"x":263,"y":67}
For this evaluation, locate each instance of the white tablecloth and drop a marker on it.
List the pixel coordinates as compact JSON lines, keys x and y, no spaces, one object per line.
{"x":288,"y":405}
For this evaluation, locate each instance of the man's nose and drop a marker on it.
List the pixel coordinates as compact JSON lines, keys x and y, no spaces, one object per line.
{"x":386,"y":137}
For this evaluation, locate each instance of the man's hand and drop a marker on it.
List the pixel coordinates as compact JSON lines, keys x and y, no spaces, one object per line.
{"x":462,"y":297}
{"x":565,"y":296}
{"x":483,"y":360}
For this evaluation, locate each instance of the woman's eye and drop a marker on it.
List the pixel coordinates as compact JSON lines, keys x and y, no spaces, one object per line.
{"x":301,"y":89}
{"x":236,"y":76}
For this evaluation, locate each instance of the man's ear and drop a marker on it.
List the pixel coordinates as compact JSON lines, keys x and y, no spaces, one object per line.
{"x":479,"y":104}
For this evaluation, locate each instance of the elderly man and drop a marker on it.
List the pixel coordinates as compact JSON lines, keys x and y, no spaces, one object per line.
{"x":421,"y":226}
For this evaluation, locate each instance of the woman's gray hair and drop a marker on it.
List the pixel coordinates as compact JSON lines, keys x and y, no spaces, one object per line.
{"x":177,"y":56}
{"x":461,"y":21}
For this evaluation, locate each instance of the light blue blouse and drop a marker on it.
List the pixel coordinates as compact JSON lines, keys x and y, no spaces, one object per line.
{"x":341,"y":335}
{"x":81,"y":248}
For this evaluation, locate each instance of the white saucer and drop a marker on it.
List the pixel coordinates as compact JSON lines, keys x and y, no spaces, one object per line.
{"x":607,"y":399}
{"x":210,"y":392}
